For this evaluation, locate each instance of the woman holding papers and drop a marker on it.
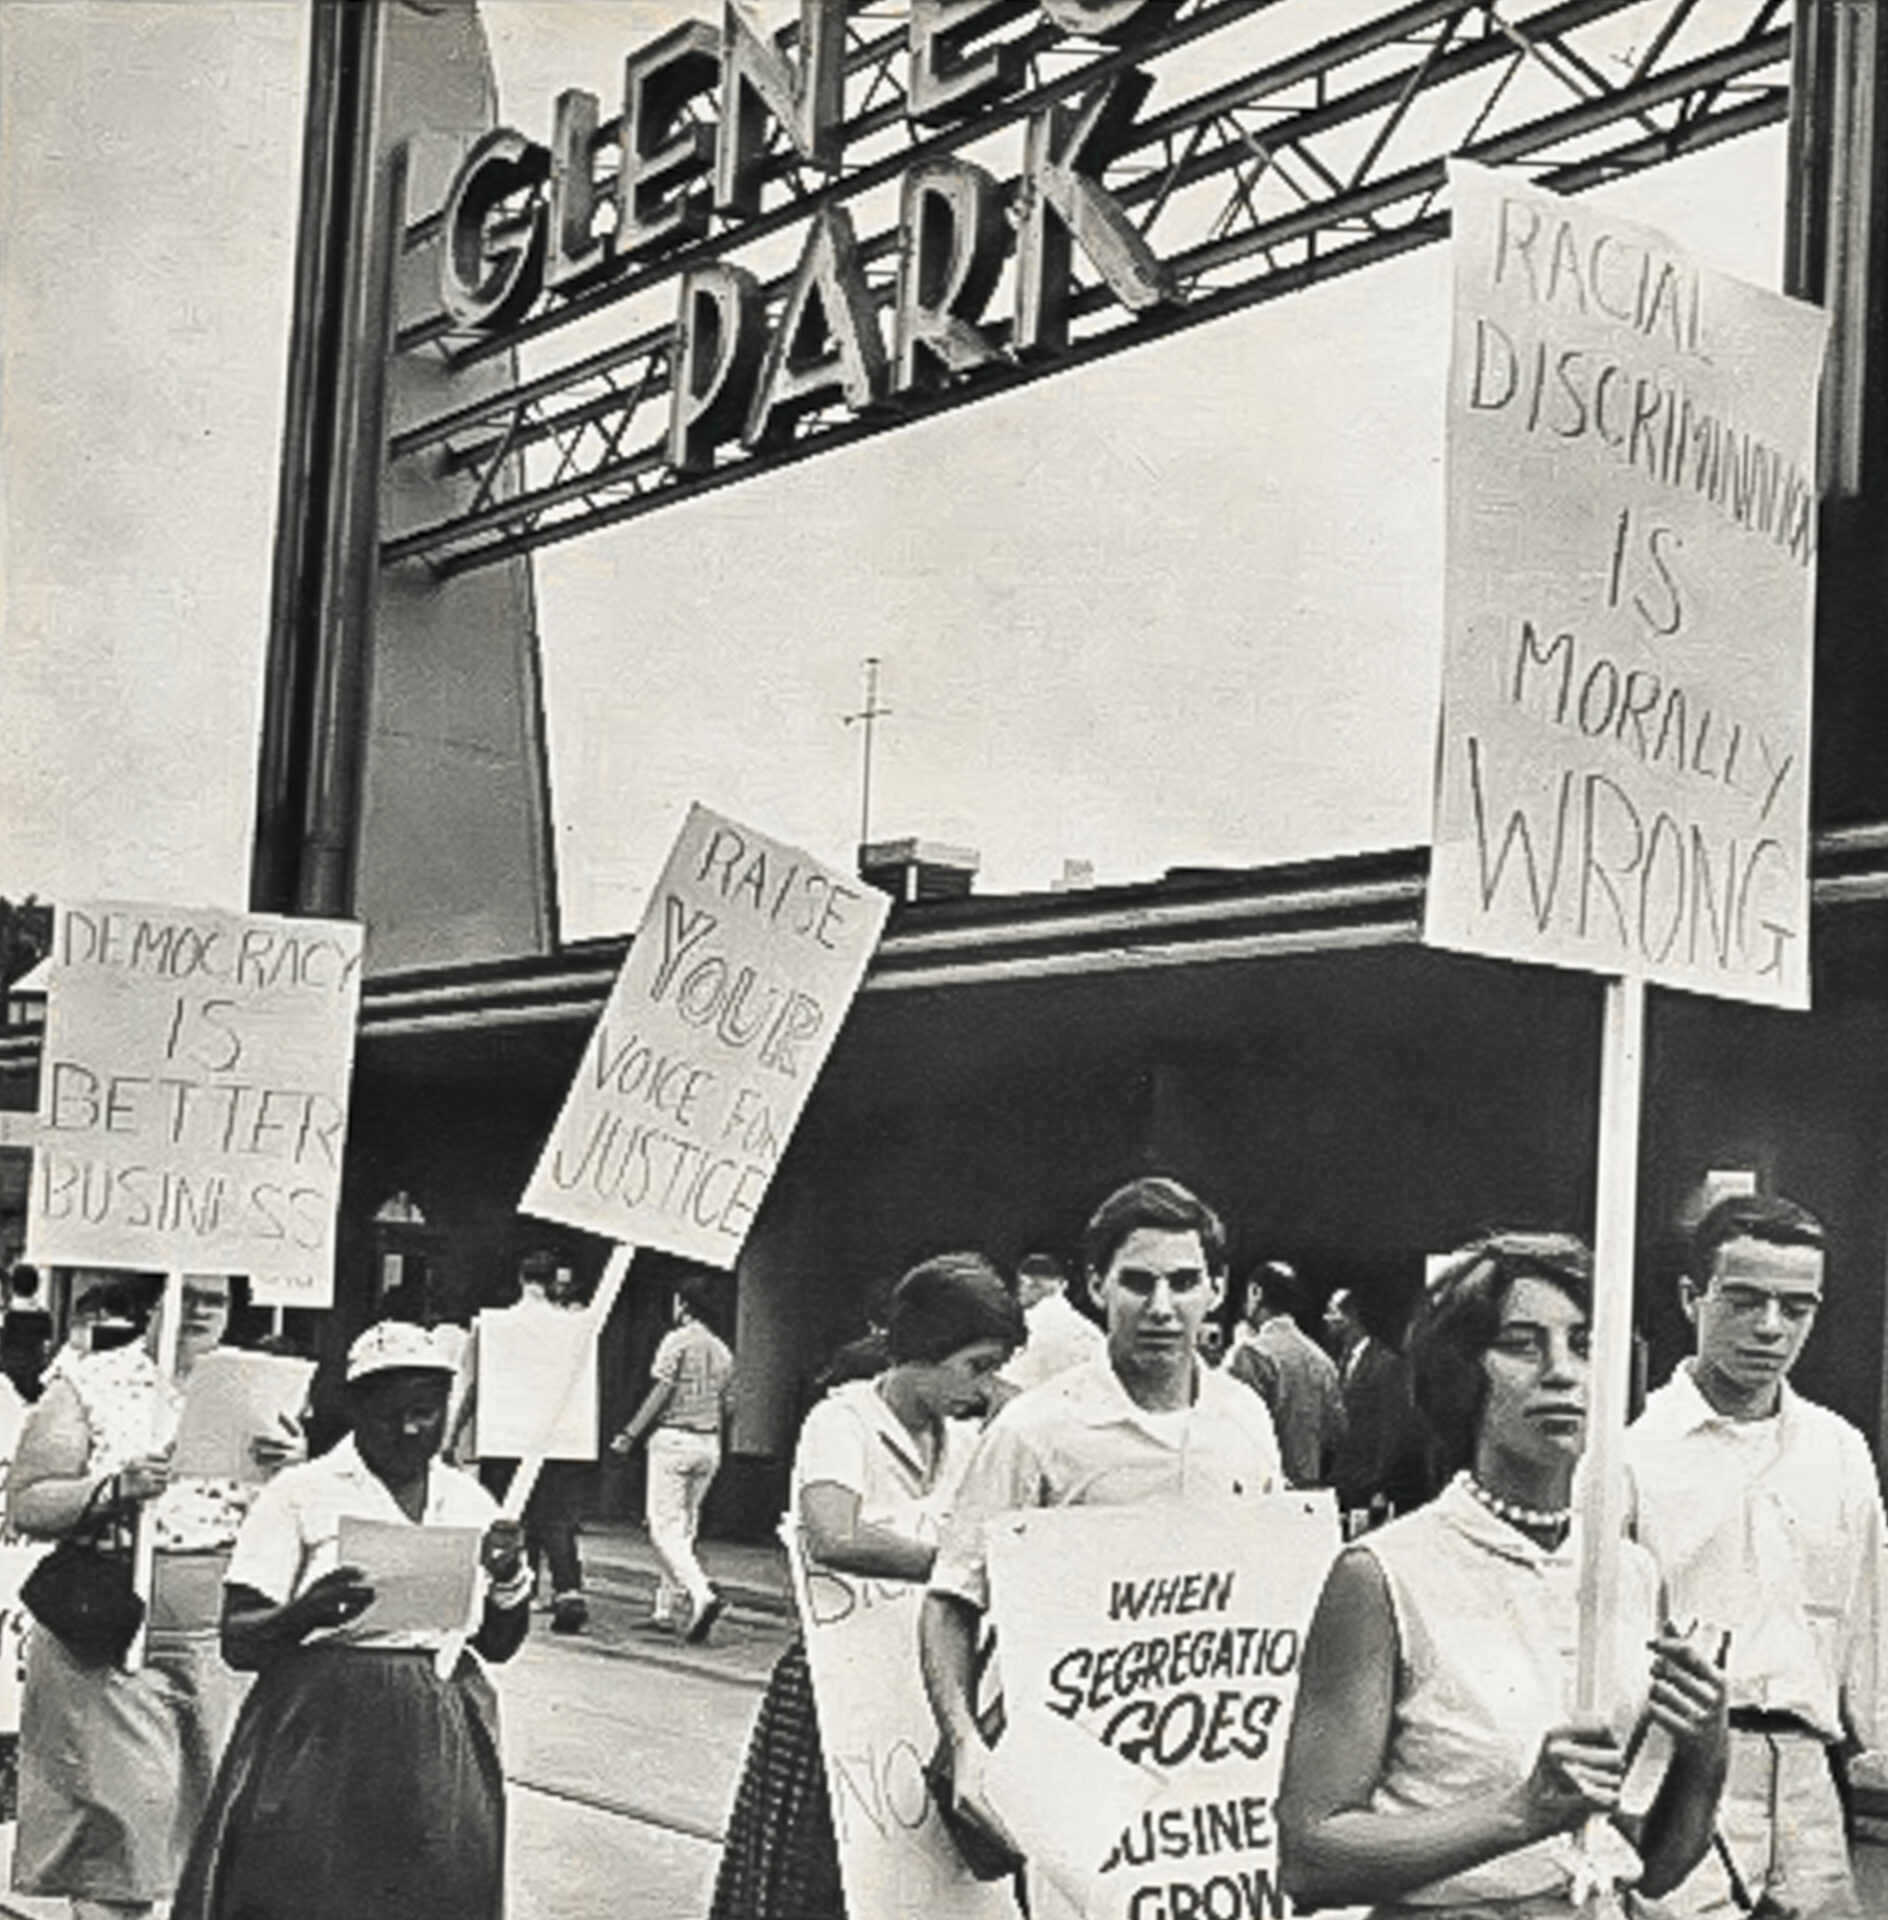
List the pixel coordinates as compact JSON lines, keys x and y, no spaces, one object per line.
{"x":877,"y":1464}
{"x":1435,"y":1763}
{"x":362,"y":1781}
{"x":115,"y":1766}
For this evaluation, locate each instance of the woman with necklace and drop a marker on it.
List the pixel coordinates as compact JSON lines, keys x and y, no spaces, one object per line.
{"x":1435,"y":1765}
{"x":873,"y":1475}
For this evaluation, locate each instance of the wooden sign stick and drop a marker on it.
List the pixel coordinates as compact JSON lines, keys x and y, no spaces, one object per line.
{"x":615,"y":1271}
{"x":1609,"y":1385}
{"x":144,"y":1550}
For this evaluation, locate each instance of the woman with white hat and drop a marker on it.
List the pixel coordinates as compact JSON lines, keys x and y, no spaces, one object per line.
{"x":363,"y":1776}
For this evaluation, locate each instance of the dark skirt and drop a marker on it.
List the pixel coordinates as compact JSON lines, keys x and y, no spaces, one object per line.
{"x":358,"y":1785}
{"x":781,"y":1861}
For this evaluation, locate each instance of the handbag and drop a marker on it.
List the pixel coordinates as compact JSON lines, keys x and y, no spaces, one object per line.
{"x":83,"y":1594}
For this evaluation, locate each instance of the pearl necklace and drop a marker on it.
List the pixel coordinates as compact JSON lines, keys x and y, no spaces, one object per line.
{"x":1532,"y":1519}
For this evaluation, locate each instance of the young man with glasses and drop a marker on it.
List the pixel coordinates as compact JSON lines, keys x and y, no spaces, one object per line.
{"x":1764,"y":1513}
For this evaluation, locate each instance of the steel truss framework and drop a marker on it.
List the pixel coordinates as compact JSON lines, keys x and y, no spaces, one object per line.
{"x":1317,"y":163}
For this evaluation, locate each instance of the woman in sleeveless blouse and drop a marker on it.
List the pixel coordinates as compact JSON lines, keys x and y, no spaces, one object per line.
{"x":1435,"y":1764}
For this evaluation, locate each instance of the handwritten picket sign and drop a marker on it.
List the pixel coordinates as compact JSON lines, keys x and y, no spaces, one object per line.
{"x":1171,"y":1636}
{"x":730,"y":998}
{"x":1623,"y":775}
{"x":896,"y":1858}
{"x":193,"y":1094}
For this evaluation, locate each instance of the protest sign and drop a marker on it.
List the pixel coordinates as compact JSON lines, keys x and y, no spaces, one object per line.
{"x":1623,"y":774}
{"x":1172,"y":1636}
{"x":527,"y":1359}
{"x":425,"y":1579}
{"x":730,"y":998}
{"x":231,"y":1400}
{"x":897,"y":1859}
{"x":193,"y":1095}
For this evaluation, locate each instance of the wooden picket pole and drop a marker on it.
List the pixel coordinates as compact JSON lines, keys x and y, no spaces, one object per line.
{"x":1609,"y":1384}
{"x":144,"y":1549}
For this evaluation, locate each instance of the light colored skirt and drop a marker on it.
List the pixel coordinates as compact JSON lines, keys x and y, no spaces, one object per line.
{"x":115,"y":1767}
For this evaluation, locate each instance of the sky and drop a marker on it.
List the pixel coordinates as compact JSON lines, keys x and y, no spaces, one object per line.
{"x":1182,"y":607}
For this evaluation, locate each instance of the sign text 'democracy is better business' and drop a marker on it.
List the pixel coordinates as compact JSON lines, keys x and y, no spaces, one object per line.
{"x":733,"y":991}
{"x":1624,"y":764}
{"x":193,"y":1094}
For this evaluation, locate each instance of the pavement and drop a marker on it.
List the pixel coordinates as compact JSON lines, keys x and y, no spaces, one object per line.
{"x":623,"y":1744}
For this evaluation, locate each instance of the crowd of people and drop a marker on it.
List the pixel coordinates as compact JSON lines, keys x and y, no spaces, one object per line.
{"x":273,"y":1748}
{"x":1440,"y":1760}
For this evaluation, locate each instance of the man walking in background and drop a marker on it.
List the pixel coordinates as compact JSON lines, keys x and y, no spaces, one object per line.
{"x":1765,"y":1515}
{"x":1060,"y":1334}
{"x":684,"y":1417}
{"x":1292,"y":1374}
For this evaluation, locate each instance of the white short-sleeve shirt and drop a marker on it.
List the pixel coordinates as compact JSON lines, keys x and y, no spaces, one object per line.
{"x":293,"y":1532}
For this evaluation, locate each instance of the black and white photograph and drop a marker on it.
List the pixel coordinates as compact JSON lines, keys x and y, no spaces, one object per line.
{"x":943,"y":959}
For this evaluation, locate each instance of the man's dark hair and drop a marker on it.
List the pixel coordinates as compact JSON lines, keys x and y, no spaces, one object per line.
{"x":1157,"y":1202}
{"x":23,"y":1281}
{"x":1041,"y":1266}
{"x":1749,"y":1216}
{"x":696,"y":1291}
{"x":1456,"y":1322}
{"x":1279,"y":1288}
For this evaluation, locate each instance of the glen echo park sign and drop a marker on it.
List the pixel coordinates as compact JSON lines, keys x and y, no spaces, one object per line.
{"x":1624,"y":767}
{"x":522,"y":222}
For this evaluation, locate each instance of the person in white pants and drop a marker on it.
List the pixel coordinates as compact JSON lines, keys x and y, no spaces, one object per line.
{"x":683,"y":1416}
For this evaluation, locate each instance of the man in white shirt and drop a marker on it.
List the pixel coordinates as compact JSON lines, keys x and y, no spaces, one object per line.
{"x":1060,"y":1334}
{"x":1765,"y":1515}
{"x":1144,"y":1424}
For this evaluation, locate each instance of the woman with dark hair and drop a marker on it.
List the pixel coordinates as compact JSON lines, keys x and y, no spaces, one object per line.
{"x":1435,"y":1764}
{"x":874,"y":1472}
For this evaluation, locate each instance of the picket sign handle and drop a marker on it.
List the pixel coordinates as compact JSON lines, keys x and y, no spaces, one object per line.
{"x":525,"y":1478}
{"x":1602,"y":1498}
{"x":144,"y":1549}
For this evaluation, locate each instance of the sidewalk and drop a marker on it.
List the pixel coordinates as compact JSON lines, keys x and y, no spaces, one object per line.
{"x":618,"y":1560}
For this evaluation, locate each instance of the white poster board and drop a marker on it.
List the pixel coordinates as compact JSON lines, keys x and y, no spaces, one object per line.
{"x":193,"y":1095}
{"x":876,"y":1730}
{"x":533,"y":1361}
{"x":731,"y":996}
{"x":1171,"y":1635}
{"x":1623,"y":774}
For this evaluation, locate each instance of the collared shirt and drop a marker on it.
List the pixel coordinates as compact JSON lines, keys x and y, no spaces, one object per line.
{"x":698,"y":1368}
{"x":1059,"y":1336}
{"x":293,"y":1533}
{"x":1082,"y":1441}
{"x":1298,"y":1382}
{"x":1487,"y":1627}
{"x":1771,"y":1530}
{"x":852,"y":1439}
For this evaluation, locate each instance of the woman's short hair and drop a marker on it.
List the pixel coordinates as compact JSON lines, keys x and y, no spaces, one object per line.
{"x":1456,"y":1322}
{"x":1157,"y":1202}
{"x":949,"y":1303}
